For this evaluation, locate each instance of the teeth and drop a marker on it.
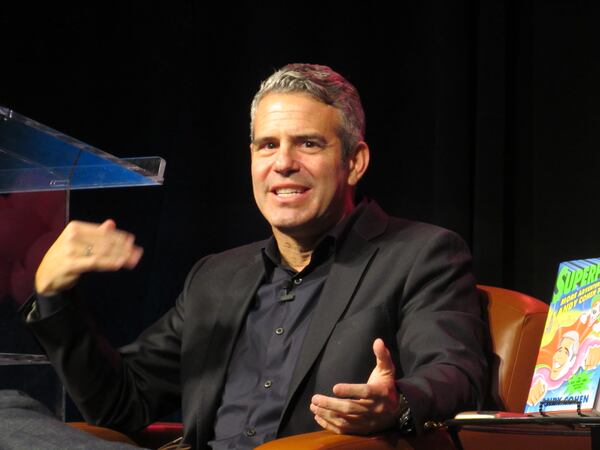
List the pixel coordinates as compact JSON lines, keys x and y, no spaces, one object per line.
{"x":288,"y":191}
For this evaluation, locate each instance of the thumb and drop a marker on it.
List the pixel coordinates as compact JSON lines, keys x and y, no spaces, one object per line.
{"x":384,"y":358}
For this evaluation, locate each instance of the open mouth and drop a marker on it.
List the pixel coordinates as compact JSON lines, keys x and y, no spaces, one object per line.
{"x":284,"y":192}
{"x":289,"y":192}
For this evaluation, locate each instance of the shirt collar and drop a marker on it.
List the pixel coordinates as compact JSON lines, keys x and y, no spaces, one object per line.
{"x":328,"y":244}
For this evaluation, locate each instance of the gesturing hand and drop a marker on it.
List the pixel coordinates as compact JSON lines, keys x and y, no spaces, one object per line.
{"x":362,"y":408}
{"x":85,"y":247}
{"x":536,"y":392}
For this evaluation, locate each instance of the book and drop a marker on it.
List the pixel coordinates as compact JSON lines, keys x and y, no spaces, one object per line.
{"x":476,"y":415}
{"x":567,"y":370}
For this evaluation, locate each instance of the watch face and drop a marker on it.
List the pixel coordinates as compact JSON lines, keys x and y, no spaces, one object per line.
{"x":432,"y":425}
{"x":405,"y":423}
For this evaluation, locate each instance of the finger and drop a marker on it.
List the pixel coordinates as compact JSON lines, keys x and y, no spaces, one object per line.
{"x":343,"y":427}
{"x":134,"y":257}
{"x":353,"y":391}
{"x":111,"y":251}
{"x":115,"y":261}
{"x":130,"y":254}
{"x":339,"y":406}
{"x":327,"y":425}
{"x":383,"y":356}
{"x":341,"y":421}
{"x":119,"y":248}
{"x":107,"y":225}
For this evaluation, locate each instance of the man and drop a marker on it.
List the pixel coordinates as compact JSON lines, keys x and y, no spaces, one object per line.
{"x":345,"y":319}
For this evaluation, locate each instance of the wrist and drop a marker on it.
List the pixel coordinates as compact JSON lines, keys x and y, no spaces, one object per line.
{"x":404,"y":418}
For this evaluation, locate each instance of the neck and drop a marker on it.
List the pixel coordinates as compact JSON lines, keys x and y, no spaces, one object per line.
{"x":296,"y":249}
{"x":293,"y":253}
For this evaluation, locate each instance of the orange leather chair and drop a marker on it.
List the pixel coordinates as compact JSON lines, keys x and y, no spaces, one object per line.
{"x":516,"y":325}
{"x":516,"y":322}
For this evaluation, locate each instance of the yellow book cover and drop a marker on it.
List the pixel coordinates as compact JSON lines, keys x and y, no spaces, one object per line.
{"x":568,"y":363}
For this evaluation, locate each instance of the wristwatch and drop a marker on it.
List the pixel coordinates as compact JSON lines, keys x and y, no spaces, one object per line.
{"x":405,"y":422}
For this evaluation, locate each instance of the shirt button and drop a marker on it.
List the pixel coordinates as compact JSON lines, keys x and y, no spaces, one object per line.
{"x":297,"y":281}
{"x":268,"y":384}
{"x":279,"y":330}
{"x":250,"y":432}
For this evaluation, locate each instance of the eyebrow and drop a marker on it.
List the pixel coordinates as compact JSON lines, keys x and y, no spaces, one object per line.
{"x":261,"y":140}
{"x":298,"y":137}
{"x":309,"y":137}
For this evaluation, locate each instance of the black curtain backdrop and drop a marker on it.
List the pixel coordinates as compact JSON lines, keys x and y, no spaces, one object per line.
{"x":482,"y":117}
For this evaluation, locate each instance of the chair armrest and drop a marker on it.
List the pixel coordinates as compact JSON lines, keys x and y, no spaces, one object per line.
{"x":153,"y":436}
{"x":158,"y":434}
{"x":103,"y":433}
{"x":324,"y":440}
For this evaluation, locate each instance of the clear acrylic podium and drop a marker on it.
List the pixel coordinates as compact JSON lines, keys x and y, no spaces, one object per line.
{"x":38,"y":168}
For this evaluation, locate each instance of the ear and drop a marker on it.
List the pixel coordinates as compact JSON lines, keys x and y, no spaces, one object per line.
{"x":358,"y":163}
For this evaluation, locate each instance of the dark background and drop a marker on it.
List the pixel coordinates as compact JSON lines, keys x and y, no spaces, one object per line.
{"x":482,"y":117}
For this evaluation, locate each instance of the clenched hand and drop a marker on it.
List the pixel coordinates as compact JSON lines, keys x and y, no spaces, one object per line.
{"x":85,"y":247}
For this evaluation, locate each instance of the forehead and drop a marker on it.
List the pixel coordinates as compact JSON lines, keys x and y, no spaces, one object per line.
{"x":566,"y":342}
{"x":294,"y":111}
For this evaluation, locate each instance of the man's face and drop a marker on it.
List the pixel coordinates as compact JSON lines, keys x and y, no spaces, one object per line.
{"x":301,"y":184}
{"x":561,"y":358}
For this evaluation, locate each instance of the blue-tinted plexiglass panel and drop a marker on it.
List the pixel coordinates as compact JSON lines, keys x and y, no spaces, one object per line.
{"x":29,"y":223}
{"x":34,"y":157}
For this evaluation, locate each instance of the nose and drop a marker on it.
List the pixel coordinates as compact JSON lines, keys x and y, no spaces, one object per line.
{"x":286,"y":162}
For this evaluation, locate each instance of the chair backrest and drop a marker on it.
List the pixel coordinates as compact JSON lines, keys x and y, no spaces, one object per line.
{"x":516,"y":323}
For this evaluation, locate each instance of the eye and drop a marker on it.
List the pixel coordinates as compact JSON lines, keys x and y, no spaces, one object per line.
{"x":266,"y":145}
{"x":312,"y":144}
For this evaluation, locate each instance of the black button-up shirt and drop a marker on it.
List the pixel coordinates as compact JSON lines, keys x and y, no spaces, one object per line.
{"x":268,"y":345}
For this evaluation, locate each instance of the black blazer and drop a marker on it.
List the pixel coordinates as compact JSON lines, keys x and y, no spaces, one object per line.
{"x":406,"y":282}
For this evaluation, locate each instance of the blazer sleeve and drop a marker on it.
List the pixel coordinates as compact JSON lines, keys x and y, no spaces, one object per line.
{"x":441,"y":334}
{"x":127,"y":388}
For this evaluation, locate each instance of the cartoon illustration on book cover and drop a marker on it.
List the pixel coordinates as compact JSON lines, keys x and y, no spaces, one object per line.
{"x":568,"y":363}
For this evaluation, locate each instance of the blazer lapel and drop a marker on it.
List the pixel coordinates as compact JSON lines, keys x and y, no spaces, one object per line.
{"x":228,"y":321}
{"x":351,"y":262}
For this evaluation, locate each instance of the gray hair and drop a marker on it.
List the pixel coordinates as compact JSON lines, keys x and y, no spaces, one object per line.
{"x":324,"y":85}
